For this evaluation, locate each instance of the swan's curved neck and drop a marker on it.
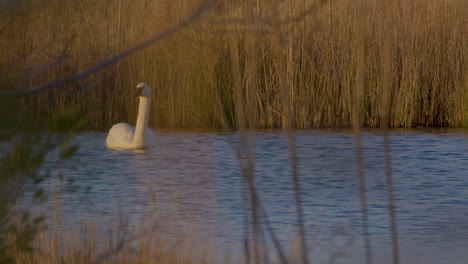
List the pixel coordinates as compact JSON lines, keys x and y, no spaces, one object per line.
{"x":142,"y":122}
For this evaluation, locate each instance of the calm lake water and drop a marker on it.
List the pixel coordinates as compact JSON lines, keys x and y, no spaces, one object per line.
{"x":193,"y":179}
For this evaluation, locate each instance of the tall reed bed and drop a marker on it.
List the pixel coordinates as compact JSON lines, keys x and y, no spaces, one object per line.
{"x":228,"y":60}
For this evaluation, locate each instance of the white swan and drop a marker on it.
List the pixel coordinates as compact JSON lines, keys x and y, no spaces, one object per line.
{"x":124,"y":136}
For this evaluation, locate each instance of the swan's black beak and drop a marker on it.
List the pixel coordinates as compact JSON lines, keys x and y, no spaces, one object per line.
{"x":139,"y":91}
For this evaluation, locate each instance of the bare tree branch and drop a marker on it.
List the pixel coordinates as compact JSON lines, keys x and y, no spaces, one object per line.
{"x":79,"y":75}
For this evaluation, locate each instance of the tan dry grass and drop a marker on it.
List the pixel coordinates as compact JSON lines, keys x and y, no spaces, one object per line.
{"x":82,"y":247}
{"x":192,"y":76}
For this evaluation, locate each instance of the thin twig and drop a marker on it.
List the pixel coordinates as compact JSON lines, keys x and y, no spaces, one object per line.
{"x":274,"y":239}
{"x":110,"y":253}
{"x":246,"y":219}
{"x":283,"y":74}
{"x":297,"y":193}
{"x":363,"y":196}
{"x":246,"y":174}
{"x":314,"y":8}
{"x":391,"y":199}
{"x":262,"y":213}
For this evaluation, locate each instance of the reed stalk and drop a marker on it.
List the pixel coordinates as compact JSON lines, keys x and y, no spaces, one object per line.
{"x":357,"y":123}
{"x":384,"y":114}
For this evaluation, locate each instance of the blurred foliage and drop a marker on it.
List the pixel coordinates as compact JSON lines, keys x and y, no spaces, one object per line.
{"x":23,"y":150}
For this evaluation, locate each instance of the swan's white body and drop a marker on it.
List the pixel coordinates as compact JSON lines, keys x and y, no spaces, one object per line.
{"x":124,"y":136}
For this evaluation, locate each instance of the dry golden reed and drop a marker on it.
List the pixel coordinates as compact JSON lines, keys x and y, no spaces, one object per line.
{"x":416,"y":58}
{"x":83,"y":245}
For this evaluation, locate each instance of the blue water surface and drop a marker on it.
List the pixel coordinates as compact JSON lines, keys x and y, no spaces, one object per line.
{"x":191,"y":178}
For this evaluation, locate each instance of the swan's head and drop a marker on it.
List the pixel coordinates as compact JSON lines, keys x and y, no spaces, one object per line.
{"x":143,"y":90}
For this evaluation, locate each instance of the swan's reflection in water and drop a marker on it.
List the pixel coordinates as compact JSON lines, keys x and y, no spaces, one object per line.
{"x":142,"y":150}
